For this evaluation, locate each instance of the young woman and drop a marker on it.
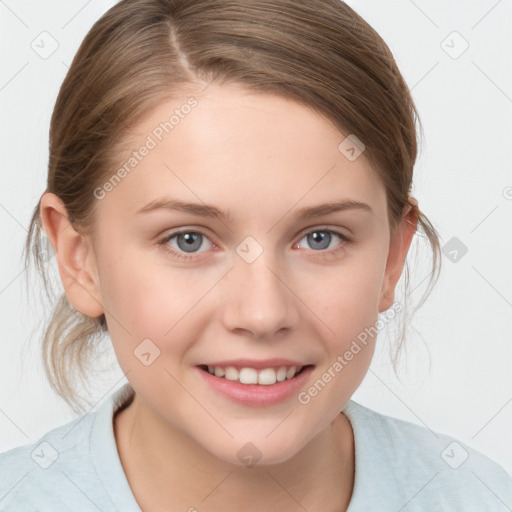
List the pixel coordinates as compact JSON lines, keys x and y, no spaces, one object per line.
{"x":229,"y":201}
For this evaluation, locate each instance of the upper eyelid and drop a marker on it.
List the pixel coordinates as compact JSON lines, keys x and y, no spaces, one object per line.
{"x":306,"y":231}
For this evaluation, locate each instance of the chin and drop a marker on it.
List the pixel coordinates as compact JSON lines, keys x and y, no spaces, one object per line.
{"x":250,"y":454}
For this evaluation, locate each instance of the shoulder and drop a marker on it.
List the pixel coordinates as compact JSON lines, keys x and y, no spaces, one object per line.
{"x":41,"y":467}
{"x":416,"y":466}
{"x":72,"y":467}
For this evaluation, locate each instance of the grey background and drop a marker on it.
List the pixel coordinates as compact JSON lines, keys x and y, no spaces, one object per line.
{"x":463,"y":183}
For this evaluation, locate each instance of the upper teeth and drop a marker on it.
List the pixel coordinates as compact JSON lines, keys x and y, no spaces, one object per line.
{"x":266,"y":376}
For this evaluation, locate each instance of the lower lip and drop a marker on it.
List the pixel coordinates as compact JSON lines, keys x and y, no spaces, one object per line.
{"x":257,"y":394}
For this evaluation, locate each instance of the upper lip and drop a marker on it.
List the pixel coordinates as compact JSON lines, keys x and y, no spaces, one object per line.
{"x":256,"y":364}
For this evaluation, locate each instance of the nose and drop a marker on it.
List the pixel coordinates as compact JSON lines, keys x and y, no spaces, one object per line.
{"x":259,"y":300}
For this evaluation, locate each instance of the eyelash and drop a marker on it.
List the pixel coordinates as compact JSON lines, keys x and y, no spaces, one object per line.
{"x":188,"y":257}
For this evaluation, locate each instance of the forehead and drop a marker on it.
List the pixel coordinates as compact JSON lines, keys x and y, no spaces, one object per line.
{"x":235,"y":148}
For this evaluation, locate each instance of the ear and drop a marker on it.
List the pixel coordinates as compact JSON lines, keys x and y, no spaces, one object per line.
{"x":75,"y":256}
{"x":398,"y":247}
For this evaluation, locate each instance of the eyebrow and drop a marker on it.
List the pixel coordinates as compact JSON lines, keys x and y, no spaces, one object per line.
{"x":205,"y":210}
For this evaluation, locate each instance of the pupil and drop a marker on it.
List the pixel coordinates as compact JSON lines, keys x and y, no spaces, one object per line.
{"x":321,"y":236}
{"x":192,"y":241}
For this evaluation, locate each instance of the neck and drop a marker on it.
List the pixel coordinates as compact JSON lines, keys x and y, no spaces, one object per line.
{"x":167,"y":470}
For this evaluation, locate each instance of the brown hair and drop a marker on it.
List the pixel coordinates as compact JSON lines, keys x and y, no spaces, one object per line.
{"x":320,"y":53}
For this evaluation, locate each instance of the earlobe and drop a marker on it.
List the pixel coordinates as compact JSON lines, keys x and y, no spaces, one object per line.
{"x":75,"y":257}
{"x":398,"y":248}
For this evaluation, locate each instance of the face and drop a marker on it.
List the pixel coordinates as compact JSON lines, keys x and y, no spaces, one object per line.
{"x":256,"y":275}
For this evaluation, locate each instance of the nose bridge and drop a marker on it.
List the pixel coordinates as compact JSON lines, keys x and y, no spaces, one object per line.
{"x":258,"y":301}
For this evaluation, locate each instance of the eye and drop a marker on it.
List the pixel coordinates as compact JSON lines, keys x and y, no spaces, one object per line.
{"x":321,"y":239}
{"x":186,"y":241}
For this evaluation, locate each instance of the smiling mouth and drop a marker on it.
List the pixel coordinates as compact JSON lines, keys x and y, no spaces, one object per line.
{"x":246,"y":375}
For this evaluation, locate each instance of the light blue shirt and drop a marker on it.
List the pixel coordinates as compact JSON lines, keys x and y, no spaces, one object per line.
{"x":399,"y":466}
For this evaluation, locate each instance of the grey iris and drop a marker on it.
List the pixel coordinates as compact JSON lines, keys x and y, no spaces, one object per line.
{"x":324,"y":237}
{"x":192,"y":241}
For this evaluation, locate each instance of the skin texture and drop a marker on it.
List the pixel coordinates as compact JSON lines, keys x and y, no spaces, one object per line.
{"x":262,"y":158}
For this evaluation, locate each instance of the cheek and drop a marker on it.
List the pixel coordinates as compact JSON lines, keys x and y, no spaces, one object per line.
{"x":138,"y":293}
{"x":349,"y":306}
{"x":348,"y":299}
{"x":146,"y":299}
